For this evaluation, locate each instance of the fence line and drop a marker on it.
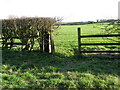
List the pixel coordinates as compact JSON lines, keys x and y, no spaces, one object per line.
{"x":18,"y":37}
{"x":11,"y":43}
{"x":87,"y":36}
{"x":46,"y":46}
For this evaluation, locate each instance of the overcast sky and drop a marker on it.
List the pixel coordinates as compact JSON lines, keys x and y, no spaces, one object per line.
{"x":70,"y":10}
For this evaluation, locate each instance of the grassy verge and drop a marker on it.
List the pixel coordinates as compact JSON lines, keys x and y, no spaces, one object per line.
{"x":63,"y":69}
{"x":38,"y":70}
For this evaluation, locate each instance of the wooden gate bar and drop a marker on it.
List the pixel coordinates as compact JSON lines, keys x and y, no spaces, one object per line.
{"x":100,"y":43}
{"x":100,"y":51}
{"x":114,"y":35}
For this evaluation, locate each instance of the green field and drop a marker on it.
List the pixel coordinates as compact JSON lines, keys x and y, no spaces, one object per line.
{"x":66,"y":38}
{"x":64,"y":68}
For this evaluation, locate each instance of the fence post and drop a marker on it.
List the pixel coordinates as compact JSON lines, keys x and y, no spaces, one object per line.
{"x":79,"y":40}
{"x":46,"y":42}
{"x":52,"y":43}
{"x":41,"y":42}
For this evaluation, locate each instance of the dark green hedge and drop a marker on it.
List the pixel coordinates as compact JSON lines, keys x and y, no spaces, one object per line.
{"x":27,"y":30}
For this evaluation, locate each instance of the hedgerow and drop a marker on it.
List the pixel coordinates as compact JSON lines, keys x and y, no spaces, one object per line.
{"x":27,"y":30}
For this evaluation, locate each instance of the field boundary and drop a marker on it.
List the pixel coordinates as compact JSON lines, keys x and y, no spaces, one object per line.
{"x":11,"y":43}
{"x":87,"y":36}
{"x":45,"y":46}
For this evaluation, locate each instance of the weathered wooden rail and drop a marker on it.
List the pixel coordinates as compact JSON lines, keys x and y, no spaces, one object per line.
{"x":47,"y":47}
{"x":89,"y":36}
{"x":10,"y":43}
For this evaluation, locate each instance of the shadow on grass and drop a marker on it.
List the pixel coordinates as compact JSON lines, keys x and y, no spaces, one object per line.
{"x":96,"y":64}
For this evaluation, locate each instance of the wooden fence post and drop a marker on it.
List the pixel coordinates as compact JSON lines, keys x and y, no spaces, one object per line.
{"x":79,"y":40}
{"x":52,"y":44}
{"x":46,"y":42}
{"x":41,"y":42}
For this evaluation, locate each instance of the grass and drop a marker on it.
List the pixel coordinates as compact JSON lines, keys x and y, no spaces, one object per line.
{"x":63,"y":69}
{"x":66,"y":38}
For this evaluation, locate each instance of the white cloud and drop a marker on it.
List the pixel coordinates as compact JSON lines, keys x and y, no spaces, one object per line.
{"x":71,"y":10}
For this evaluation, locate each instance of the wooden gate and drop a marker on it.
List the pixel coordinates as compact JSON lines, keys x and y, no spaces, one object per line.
{"x":88,"y":36}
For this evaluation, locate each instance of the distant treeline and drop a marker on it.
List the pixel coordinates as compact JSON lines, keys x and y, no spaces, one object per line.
{"x":88,"y":22}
